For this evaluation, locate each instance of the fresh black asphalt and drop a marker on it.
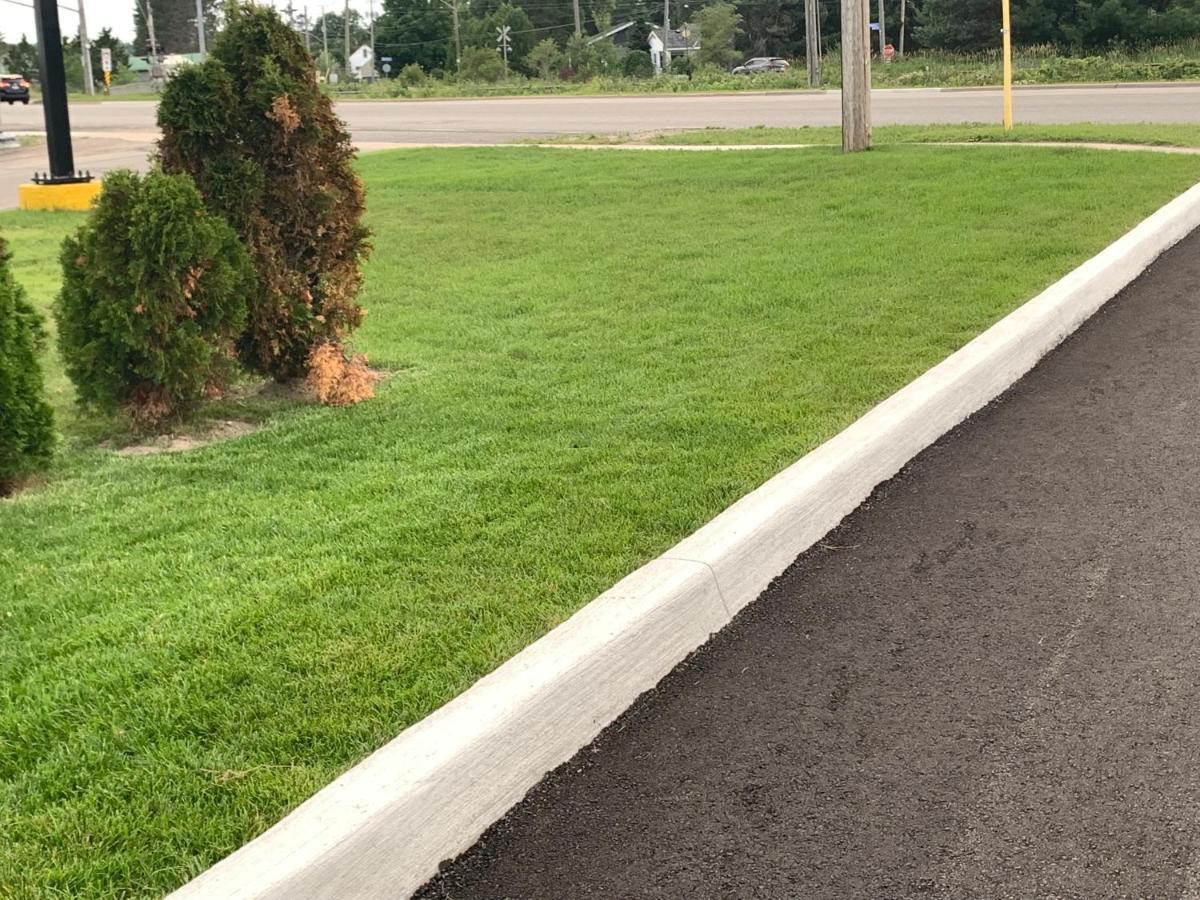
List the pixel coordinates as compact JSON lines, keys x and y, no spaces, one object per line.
{"x":984,"y":683}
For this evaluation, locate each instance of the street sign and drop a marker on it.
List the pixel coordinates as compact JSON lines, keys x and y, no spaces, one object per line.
{"x":106,"y":59}
{"x":387,"y":67}
{"x":504,"y":43}
{"x":386,"y":58}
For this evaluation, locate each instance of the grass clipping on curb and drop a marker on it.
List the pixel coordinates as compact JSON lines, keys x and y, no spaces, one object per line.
{"x":600,"y":352}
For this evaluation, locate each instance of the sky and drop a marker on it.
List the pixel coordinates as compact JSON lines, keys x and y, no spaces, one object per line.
{"x":16,"y":18}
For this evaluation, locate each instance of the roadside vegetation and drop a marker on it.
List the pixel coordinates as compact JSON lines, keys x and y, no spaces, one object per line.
{"x":193,"y":643}
{"x":929,"y":68}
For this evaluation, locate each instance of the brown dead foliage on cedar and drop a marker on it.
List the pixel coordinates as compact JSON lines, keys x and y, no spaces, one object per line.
{"x":336,"y":378}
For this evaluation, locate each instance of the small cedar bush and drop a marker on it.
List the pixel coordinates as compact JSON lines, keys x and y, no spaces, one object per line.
{"x":153,"y":298}
{"x":638,"y":64}
{"x":26,"y":422}
{"x":254,"y":130}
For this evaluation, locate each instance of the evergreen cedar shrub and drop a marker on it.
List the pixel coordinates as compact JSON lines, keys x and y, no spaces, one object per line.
{"x":153,"y":298}
{"x":252,"y":127}
{"x":26,"y":422}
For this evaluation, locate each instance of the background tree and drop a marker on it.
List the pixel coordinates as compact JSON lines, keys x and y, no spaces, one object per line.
{"x":481,"y":64}
{"x":120,"y":53}
{"x":481,"y":32}
{"x":174,"y":25}
{"x":414,"y":31}
{"x":959,"y":25}
{"x":638,"y":64}
{"x":545,"y":59}
{"x":772,"y":28}
{"x":22,"y":59}
{"x":73,"y":64}
{"x":720,"y":25}
{"x":602,"y":14}
{"x":360,"y":33}
{"x":26,"y":422}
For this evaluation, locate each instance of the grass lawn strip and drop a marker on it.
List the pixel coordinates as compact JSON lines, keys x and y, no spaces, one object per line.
{"x":192,"y":644}
{"x":1148,"y":134}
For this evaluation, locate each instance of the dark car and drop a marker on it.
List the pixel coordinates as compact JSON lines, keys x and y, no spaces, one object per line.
{"x":762,"y":64}
{"x":14,"y":88}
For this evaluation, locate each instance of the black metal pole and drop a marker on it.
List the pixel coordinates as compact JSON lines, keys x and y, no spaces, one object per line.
{"x":54,"y":94}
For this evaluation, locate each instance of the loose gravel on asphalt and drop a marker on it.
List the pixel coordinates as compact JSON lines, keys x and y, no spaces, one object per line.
{"x":984,"y":683}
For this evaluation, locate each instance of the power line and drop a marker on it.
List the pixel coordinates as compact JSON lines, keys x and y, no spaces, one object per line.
{"x":30,"y":6}
{"x":521,"y":31}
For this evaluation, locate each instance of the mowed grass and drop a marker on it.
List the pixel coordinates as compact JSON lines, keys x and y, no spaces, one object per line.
{"x":1170,"y":135}
{"x":592,"y":355}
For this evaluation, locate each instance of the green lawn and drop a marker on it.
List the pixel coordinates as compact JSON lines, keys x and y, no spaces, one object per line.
{"x":1153,"y":134}
{"x":190,"y":645}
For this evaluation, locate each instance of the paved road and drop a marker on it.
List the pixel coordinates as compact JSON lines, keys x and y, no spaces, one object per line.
{"x":120,"y":134}
{"x":485,"y":121}
{"x":985,"y":683}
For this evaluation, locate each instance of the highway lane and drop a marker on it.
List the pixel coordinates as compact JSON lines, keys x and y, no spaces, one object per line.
{"x":491,"y":120}
{"x":119,"y":134}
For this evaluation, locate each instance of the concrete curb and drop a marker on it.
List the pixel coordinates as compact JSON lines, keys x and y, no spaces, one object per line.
{"x":381,"y":829}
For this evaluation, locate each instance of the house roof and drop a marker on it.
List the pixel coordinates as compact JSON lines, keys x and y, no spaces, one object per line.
{"x":687,"y":37}
{"x":142,"y":63}
{"x":615,"y":30}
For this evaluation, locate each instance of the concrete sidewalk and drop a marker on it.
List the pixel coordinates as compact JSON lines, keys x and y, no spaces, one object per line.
{"x":985,"y":683}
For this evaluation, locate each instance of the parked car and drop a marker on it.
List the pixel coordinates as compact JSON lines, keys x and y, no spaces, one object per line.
{"x":762,"y":64}
{"x":14,"y":88}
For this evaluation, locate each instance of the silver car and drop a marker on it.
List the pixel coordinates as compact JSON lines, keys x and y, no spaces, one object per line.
{"x":762,"y":64}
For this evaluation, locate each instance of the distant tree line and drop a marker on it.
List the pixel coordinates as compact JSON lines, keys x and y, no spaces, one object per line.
{"x":421,"y":31}
{"x":21,"y":58}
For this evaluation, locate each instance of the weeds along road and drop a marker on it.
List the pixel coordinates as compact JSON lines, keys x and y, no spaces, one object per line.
{"x":486,"y":121}
{"x":984,"y":683}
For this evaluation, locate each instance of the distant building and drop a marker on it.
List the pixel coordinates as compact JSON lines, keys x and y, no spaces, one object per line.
{"x":362,"y":63}
{"x":683,"y":42}
{"x":140,"y":65}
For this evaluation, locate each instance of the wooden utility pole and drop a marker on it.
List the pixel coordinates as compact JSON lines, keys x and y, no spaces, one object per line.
{"x":85,"y":48}
{"x":856,"y":75}
{"x":452,"y":5}
{"x":812,"y":37}
{"x":882,"y":32}
{"x":1007,"y":44}
{"x":903,"y":19}
{"x":664,"y":58}
{"x":200,"y":36}
{"x":578,"y":20}
{"x":346,"y":34}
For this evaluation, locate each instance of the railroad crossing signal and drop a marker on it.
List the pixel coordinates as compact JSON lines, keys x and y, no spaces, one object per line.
{"x":504,"y":43}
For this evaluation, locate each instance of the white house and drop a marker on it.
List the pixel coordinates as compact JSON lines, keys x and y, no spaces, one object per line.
{"x":362,"y":63}
{"x":683,"y":42}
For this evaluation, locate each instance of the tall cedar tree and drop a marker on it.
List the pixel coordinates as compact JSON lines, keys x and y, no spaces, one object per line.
{"x":26,"y":422}
{"x":260,"y":139}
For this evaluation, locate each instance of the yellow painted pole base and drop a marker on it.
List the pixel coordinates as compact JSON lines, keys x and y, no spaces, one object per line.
{"x":77,"y":196}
